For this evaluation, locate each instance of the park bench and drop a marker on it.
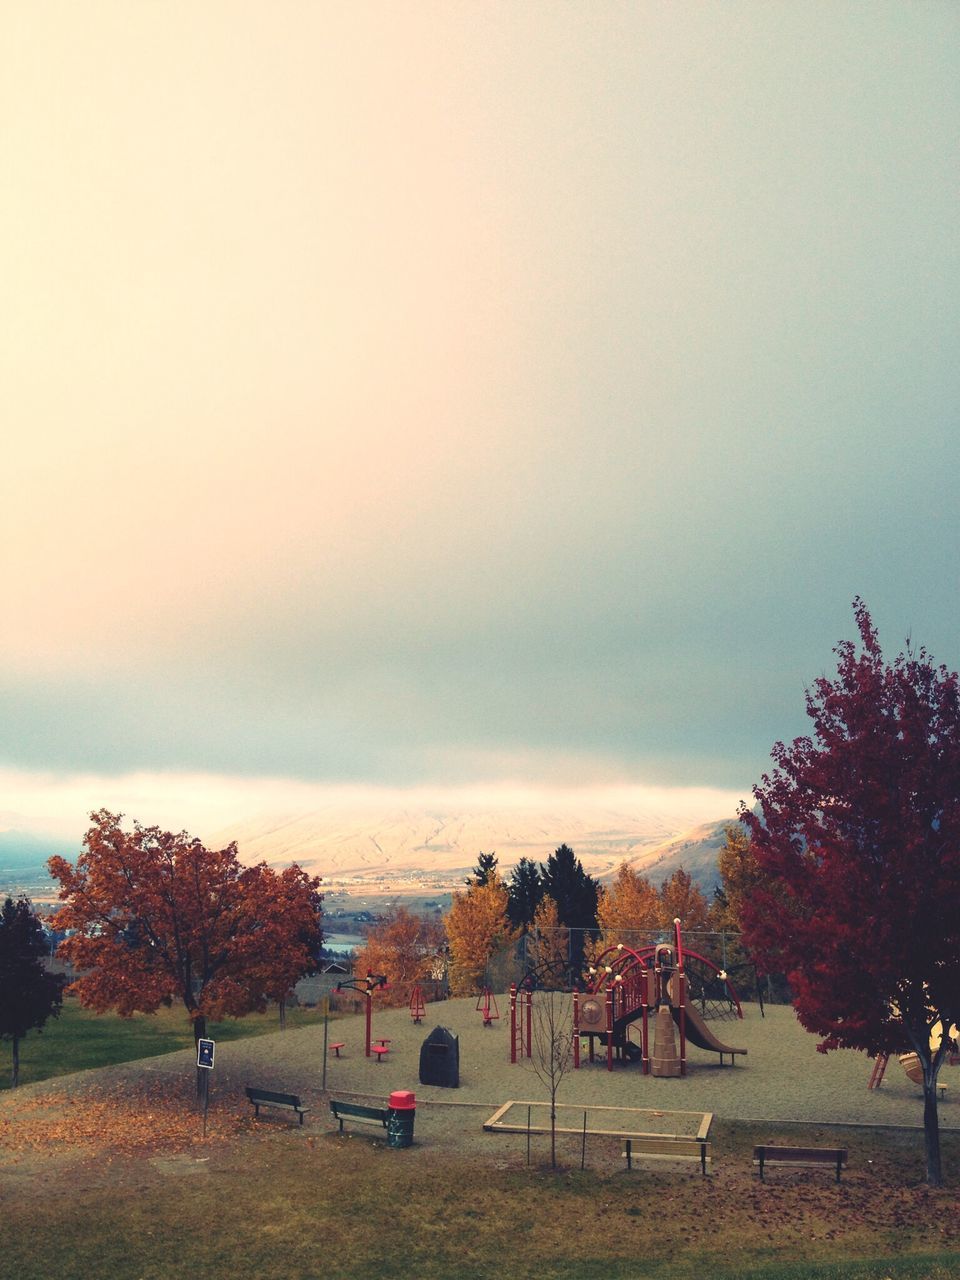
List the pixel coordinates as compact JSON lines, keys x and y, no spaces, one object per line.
{"x":664,"y":1147}
{"x":834,"y":1157}
{"x":269,"y":1098}
{"x":353,"y":1111}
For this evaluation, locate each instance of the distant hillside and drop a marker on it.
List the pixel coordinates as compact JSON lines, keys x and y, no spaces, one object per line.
{"x":341,"y":844}
{"x":696,"y":851}
{"x":24,"y":853}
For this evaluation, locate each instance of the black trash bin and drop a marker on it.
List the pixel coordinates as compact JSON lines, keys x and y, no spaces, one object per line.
{"x":440,"y":1059}
{"x":401,"y":1113}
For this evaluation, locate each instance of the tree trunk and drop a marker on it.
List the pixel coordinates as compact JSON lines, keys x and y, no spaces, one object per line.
{"x":16,"y":1061}
{"x":931,"y":1124}
{"x":199,"y":1033}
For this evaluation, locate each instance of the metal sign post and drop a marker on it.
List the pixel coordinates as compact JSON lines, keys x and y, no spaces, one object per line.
{"x":326,"y":1022}
{"x":205,"y":1052}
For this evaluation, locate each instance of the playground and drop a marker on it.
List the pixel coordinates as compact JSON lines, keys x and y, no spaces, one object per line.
{"x":110,"y":1164}
{"x":659,"y":1029}
{"x":781,"y":1078}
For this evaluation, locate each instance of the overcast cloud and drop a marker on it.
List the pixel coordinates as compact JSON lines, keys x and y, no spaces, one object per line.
{"x":467,"y":393}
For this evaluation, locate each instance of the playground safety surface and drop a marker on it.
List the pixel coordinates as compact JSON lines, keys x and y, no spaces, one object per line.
{"x":782,"y":1079}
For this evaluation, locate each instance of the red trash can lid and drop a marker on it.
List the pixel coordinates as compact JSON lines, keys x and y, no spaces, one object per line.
{"x":403,"y":1100}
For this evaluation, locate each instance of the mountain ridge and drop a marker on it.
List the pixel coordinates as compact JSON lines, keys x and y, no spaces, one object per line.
{"x":340,"y":845}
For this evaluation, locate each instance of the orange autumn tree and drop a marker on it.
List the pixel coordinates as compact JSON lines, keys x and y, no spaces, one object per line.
{"x":550,"y":952}
{"x":405,"y":948}
{"x":681,"y":899}
{"x":159,"y":918}
{"x":627,"y":909}
{"x":477,"y":925}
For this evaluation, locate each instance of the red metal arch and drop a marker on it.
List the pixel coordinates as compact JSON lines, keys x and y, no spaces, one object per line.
{"x":628,"y":959}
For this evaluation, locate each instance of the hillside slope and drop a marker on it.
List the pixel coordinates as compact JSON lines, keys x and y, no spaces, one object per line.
{"x":340,"y":844}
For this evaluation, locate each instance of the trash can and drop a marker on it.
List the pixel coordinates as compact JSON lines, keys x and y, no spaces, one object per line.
{"x":440,"y":1059}
{"x":401,"y":1113}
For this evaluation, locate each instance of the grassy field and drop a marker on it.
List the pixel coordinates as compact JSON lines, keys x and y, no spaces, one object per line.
{"x":79,"y":1039}
{"x":126,"y":1186}
{"x":281,"y":1204}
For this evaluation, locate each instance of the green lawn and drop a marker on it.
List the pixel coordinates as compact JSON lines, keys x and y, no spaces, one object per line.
{"x":276,"y":1202}
{"x":79,"y":1039}
{"x":281,"y":1204}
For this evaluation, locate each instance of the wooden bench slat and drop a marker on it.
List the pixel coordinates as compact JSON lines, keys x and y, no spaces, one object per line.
{"x":355,"y":1111}
{"x":835,"y":1157}
{"x":667,"y":1148}
{"x":272,"y":1098}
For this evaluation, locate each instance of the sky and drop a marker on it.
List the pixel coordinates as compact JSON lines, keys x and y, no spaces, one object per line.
{"x":493,"y":395}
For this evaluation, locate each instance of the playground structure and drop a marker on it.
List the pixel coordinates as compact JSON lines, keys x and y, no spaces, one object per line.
{"x":632,"y":989}
{"x":651,"y":985}
{"x":910,"y":1061}
{"x":487,"y":1005}
{"x":521,"y":1021}
{"x":366,"y":987}
{"x":912,"y":1066}
{"x":547,"y":976}
{"x":417,"y":1007}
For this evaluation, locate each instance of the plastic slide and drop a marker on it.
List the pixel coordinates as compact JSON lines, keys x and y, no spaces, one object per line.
{"x":699,"y":1033}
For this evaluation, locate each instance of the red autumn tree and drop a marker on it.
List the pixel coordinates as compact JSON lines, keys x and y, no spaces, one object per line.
{"x":857,"y":841}
{"x":160,"y":918}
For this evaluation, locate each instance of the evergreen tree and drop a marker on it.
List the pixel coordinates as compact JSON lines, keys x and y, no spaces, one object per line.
{"x":576,"y":894}
{"x":29,"y":995}
{"x":484,"y":871}
{"x":526,"y":894}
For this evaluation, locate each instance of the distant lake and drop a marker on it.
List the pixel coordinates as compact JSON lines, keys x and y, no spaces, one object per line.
{"x":341,"y":943}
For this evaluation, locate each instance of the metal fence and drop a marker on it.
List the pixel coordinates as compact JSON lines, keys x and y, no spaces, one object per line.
{"x":566,"y":954}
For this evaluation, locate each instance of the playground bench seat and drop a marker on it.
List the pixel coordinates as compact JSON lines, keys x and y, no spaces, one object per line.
{"x":667,"y":1148}
{"x":834,"y":1157}
{"x":269,"y":1098}
{"x":353,"y":1111}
